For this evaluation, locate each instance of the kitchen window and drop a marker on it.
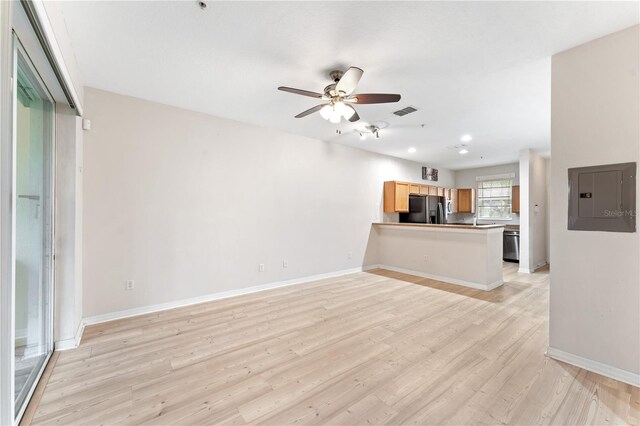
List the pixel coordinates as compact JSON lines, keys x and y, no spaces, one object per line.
{"x":494,"y":199}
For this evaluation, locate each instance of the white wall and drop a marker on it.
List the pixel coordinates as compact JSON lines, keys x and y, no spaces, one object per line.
{"x":187,"y":204}
{"x":538,"y":211}
{"x":467,"y":179}
{"x":595,"y":277}
{"x":533,"y":211}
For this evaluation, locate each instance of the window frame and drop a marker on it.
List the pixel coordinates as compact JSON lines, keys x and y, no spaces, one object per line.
{"x":480,"y":186}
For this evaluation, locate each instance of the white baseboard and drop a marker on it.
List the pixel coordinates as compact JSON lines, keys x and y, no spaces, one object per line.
{"x":532,"y":270}
{"x":127,"y":313}
{"x":65,"y":345}
{"x":541,"y":265}
{"x":595,"y":366}
{"x":470,"y":284}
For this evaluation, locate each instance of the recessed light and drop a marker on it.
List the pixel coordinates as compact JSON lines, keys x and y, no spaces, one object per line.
{"x":411,"y":150}
{"x":466,"y":138}
{"x":463,"y":151}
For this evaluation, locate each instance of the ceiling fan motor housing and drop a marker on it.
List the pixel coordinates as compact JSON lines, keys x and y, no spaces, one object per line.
{"x":336,"y":75}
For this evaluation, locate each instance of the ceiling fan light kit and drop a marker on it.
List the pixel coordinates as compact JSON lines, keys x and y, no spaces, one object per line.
{"x":339,"y":95}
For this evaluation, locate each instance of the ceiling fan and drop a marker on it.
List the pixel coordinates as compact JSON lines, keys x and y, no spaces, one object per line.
{"x":340,"y":97}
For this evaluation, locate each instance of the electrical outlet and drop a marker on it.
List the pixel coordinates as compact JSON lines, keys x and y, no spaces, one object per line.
{"x":285,"y":263}
{"x":350,"y":255}
{"x":261,"y":267}
{"x":426,"y":258}
{"x":129,"y":285}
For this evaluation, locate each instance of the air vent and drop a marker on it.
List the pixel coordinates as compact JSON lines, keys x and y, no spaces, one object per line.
{"x":405,"y":111}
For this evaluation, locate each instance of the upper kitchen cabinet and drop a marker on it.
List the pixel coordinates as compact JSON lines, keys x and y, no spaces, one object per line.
{"x":515,"y":198}
{"x":453,"y":197}
{"x":466,"y":200}
{"x":436,"y":190}
{"x":396,"y":196}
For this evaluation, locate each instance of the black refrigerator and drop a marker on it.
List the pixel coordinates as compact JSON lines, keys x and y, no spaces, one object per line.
{"x":424,"y":209}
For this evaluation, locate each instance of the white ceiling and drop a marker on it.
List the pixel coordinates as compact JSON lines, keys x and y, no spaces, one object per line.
{"x":481,"y":68}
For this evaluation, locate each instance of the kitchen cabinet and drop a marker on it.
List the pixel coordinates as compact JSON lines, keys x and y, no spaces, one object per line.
{"x":453,"y":197}
{"x":466,"y":200}
{"x":396,"y":196}
{"x":515,"y":198}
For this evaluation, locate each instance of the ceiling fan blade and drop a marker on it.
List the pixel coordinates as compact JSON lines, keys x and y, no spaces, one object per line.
{"x":349,"y":80}
{"x":310,"y":111}
{"x":375,"y":98}
{"x":355,"y":117}
{"x":300,"y":92}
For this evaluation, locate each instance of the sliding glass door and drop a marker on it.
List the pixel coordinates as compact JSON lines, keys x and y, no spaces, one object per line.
{"x":33,"y":226}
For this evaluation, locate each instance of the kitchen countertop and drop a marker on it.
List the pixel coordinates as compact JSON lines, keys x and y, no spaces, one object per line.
{"x":445,"y":226}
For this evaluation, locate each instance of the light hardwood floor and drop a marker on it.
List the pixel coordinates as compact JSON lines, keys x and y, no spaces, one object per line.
{"x":378,"y":347}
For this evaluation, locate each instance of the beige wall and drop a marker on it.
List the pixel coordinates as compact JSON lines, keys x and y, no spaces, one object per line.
{"x":187,"y":204}
{"x":595,"y":277}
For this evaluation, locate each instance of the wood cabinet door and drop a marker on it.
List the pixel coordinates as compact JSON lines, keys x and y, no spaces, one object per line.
{"x":389,"y":197}
{"x":515,"y":198}
{"x":414,"y":188}
{"x":433,"y":190}
{"x":454,"y":200}
{"x":465,"y":201}
{"x":447,"y":193}
{"x":440,"y":191}
{"x":424,"y":189}
{"x":402,"y":197}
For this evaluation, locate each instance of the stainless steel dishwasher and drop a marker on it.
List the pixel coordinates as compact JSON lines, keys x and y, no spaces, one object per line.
{"x":511,"y":246}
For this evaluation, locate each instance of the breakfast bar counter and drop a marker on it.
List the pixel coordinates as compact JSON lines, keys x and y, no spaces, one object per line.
{"x":468,"y":255}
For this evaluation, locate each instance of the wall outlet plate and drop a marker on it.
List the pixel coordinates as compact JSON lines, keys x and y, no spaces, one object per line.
{"x":261,"y":267}
{"x":129,"y":285}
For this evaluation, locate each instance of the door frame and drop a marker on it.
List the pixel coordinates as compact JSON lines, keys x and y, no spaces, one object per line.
{"x":18,"y":49}
{"x":30,"y":16}
{"x":7,"y":335}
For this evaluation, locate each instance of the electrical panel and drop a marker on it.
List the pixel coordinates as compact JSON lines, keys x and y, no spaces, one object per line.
{"x":603,"y":198}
